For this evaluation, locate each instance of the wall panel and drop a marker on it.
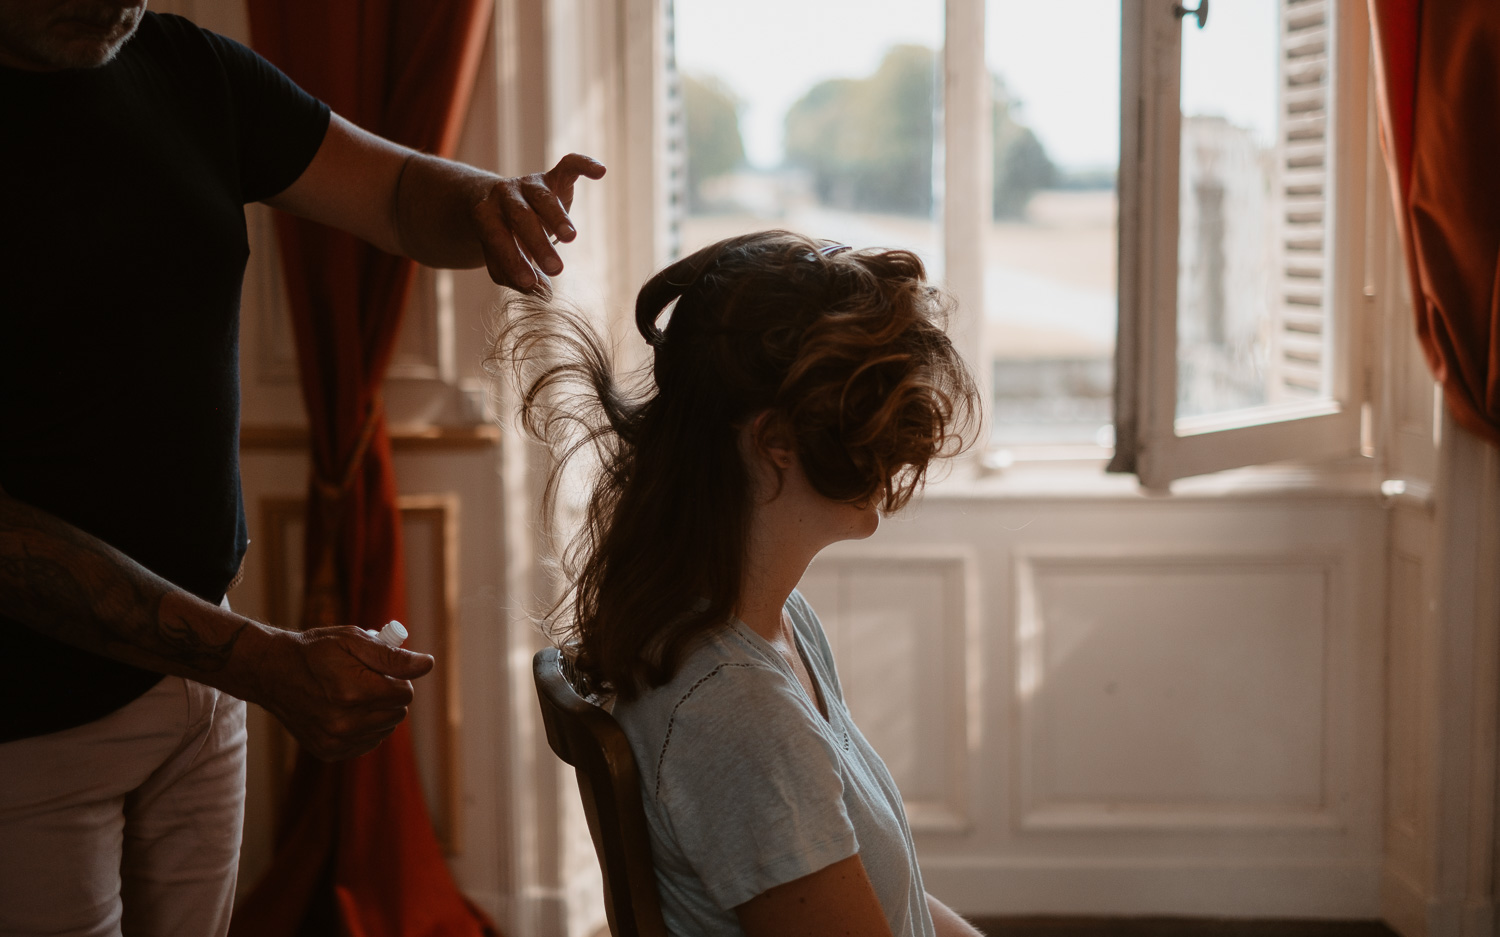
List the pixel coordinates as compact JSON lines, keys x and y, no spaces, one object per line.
{"x":1159,"y":705}
{"x":902,"y":627}
{"x":1172,"y":692}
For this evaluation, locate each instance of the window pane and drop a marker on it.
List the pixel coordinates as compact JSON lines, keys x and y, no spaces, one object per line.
{"x":1050,"y":293}
{"x":1251,"y":291}
{"x":818,"y":117}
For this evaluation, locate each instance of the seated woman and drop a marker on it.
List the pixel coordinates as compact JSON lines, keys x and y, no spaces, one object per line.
{"x":798,"y":390}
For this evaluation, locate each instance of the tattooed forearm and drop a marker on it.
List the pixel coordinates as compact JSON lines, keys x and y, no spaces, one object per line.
{"x":79,"y":590}
{"x":181,"y":641}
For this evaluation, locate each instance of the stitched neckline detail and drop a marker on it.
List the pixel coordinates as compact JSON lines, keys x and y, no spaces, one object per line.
{"x":672,"y":721}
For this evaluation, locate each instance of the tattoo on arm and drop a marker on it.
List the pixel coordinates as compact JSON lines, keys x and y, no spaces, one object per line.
{"x":178,"y":640}
{"x":73,"y":587}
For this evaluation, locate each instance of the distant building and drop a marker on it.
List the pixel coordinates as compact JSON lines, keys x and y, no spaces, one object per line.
{"x":1225,"y":262}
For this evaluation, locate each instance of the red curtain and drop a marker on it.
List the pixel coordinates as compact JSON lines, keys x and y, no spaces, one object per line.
{"x":1438,"y":71}
{"x":356,"y":853}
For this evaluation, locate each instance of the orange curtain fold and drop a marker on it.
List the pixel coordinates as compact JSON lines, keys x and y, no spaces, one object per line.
{"x":356,"y":853}
{"x":1438,"y":78}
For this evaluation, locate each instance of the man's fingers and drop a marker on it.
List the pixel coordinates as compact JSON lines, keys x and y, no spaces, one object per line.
{"x":574,"y":165}
{"x":395,"y":662}
{"x":502,"y":256}
{"x":521,"y":219}
{"x":560,"y":178}
{"x":375,"y":722}
{"x":408,"y":665}
{"x":542,"y":200}
{"x":349,"y":732}
{"x":344,"y":749}
{"x":526,"y":223}
{"x":507,"y":266}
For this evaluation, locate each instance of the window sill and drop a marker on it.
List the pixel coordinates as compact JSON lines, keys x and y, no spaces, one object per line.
{"x":261,"y":437}
{"x":1082,"y":478}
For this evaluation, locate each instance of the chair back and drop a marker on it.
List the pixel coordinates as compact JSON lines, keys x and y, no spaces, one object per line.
{"x":586,"y":736}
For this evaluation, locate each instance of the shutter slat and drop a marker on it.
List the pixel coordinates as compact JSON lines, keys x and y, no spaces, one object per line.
{"x":1299,"y":359}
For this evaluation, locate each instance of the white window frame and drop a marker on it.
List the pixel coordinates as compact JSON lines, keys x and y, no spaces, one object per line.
{"x":966,"y":141}
{"x":1150,"y":440}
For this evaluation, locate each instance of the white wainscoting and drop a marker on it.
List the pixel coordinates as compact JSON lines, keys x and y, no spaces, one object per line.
{"x":1126,"y":705}
{"x":1408,"y":815}
{"x":903,"y":623}
{"x":1172,"y":692}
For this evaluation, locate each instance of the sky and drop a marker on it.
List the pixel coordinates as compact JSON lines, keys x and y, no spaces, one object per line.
{"x":1061,"y":61}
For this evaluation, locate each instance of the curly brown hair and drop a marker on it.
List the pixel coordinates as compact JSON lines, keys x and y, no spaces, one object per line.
{"x":845,"y":352}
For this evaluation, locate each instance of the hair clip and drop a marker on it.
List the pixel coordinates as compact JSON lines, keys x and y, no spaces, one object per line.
{"x":827,"y":250}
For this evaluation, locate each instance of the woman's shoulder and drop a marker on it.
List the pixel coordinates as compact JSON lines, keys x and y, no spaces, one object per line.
{"x":720,"y":682}
{"x":720,"y":663}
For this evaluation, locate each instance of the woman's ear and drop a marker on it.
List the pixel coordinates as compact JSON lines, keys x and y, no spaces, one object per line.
{"x":770,"y":440}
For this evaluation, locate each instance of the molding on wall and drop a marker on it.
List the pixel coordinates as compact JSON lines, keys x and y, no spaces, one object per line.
{"x":424,"y":438}
{"x":440,"y":512}
{"x":1037,"y":811}
{"x":278,"y":517}
{"x":1403,"y":906}
{"x":1321,"y":889}
{"x":956,"y":633}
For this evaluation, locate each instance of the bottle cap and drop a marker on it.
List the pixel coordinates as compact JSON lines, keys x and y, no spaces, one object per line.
{"x":393,"y":634}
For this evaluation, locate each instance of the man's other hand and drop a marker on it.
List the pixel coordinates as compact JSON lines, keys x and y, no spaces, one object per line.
{"x":522,"y":218}
{"x":338,"y":691}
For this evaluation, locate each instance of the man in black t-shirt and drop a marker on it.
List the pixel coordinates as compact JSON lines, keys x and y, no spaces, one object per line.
{"x":131,"y":143}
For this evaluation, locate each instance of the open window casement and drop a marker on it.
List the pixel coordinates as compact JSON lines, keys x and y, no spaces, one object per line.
{"x":1242,"y":181}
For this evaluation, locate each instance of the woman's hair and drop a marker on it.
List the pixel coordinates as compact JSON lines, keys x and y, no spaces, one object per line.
{"x":843,"y":350}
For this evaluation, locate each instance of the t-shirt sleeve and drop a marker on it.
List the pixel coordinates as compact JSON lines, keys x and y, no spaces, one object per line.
{"x":279,"y":127}
{"x":750,"y":786}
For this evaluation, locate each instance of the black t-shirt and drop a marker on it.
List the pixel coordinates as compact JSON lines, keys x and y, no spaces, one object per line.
{"x":124,"y":252}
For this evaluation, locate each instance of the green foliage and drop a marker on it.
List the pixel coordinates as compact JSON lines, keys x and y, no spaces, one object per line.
{"x":711,"y":112}
{"x":1021,"y":164}
{"x":868,"y":142}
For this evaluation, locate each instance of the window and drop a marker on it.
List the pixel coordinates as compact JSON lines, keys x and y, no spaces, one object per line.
{"x":1051,"y":239}
{"x":1238,"y":347}
{"x":829,"y":128}
{"x":1113,"y":173}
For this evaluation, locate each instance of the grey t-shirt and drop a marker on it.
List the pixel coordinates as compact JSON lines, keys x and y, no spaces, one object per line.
{"x":747,"y":786}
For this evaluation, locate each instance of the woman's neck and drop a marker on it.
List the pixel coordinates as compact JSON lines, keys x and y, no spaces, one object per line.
{"x":773,"y":568}
{"x":775,"y":559}
{"x":790,"y":522}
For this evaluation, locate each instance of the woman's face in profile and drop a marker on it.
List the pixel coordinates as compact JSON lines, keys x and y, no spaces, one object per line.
{"x":860,"y":520}
{"x":835,"y":520}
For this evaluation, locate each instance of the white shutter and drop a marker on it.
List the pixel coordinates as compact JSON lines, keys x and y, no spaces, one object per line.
{"x":674,"y":154}
{"x":1313,"y":405}
{"x":1299,"y":367}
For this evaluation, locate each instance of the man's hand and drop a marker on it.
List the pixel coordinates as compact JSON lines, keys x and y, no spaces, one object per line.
{"x":338,"y":691}
{"x":521,"y":219}
{"x":436,"y":211}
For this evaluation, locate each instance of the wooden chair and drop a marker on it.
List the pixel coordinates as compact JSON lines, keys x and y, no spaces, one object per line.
{"x":587,"y":737}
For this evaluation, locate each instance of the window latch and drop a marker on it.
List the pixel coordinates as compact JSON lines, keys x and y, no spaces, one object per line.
{"x":1201,"y":12}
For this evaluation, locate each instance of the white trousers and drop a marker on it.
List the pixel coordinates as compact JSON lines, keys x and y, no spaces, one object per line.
{"x":128,"y":826}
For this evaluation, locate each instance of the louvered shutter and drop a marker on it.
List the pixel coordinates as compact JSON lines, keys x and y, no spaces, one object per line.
{"x":1299,"y":367}
{"x":675,"y":144}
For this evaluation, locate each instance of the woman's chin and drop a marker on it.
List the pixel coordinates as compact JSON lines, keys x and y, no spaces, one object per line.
{"x":867,"y":523}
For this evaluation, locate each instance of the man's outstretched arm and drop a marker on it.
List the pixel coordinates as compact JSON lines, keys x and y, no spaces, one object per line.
{"x":336,"y":689}
{"x":436,"y":211}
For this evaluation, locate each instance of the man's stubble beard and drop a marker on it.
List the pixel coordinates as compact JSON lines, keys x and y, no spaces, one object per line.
{"x":55,"y":41}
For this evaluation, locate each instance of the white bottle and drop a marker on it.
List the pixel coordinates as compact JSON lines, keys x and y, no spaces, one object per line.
{"x":393,"y":634}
